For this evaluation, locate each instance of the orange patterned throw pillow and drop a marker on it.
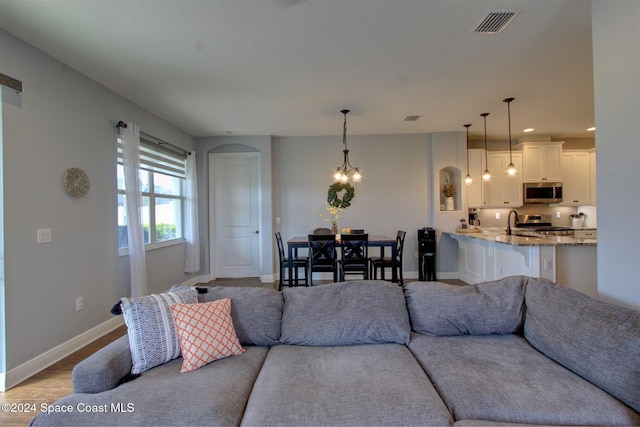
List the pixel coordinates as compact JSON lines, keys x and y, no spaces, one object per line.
{"x":205,"y":332}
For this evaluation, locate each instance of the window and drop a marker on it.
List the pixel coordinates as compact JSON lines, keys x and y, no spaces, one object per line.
{"x":162,"y":177}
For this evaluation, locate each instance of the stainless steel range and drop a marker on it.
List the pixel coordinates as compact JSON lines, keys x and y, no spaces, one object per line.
{"x":541,"y":224}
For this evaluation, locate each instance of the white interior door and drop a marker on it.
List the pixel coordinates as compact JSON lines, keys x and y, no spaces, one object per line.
{"x":235,"y":240}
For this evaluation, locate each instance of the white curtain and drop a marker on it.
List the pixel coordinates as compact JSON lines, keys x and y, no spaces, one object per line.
{"x":130,"y":137}
{"x":192,"y":248}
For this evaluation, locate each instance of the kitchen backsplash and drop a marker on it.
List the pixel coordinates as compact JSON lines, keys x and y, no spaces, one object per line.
{"x":488,"y":216}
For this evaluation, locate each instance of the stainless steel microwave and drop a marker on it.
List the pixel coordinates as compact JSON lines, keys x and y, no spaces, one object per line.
{"x":542,"y":192}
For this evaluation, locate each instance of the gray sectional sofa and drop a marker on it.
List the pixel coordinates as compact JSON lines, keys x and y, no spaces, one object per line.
{"x":514,"y":351}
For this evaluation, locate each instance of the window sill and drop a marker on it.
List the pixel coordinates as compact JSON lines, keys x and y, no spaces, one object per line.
{"x":153,"y":246}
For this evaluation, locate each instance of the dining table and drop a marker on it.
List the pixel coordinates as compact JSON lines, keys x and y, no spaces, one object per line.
{"x":375,"y":240}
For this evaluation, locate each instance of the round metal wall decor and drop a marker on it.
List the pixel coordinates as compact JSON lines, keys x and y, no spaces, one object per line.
{"x":76,"y":182}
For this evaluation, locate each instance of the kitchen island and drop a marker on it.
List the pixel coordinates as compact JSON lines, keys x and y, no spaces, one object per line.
{"x":491,"y":254}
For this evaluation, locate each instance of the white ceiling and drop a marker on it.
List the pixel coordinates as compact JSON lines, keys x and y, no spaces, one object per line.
{"x":287,"y":67}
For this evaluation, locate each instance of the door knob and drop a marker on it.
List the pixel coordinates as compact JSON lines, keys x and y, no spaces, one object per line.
{"x":257,"y":231}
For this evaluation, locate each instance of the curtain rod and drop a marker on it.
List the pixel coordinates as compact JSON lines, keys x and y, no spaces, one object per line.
{"x":11,"y":83}
{"x":155,"y":140}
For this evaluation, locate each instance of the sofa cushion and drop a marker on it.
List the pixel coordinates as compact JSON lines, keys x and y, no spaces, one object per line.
{"x":365,"y":385}
{"x":205,"y":332}
{"x":214,"y":395}
{"x":360,"y":312}
{"x":598,"y":341}
{"x":152,"y":335}
{"x":501,"y":378}
{"x":495,"y":307}
{"x":256,"y":312}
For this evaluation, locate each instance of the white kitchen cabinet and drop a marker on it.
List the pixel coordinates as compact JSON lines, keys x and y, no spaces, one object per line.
{"x":576,"y":178}
{"x":476,"y":167}
{"x":503,"y":191}
{"x":542,"y":162}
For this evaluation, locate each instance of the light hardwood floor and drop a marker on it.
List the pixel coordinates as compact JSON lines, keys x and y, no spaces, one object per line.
{"x":53,"y":383}
{"x":48,"y":385}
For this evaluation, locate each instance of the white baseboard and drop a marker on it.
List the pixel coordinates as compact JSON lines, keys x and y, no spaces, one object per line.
{"x":37,"y":364}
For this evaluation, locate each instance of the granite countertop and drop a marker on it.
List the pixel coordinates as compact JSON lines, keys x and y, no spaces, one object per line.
{"x":498,"y":235}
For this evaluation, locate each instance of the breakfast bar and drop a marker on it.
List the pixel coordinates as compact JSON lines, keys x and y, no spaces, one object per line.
{"x":491,"y":254}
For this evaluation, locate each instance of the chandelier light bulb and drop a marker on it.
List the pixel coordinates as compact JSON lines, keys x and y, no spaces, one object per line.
{"x":468,"y":180}
{"x":511,"y":170}
{"x":356,"y":176}
{"x":486,"y":175}
{"x":338,"y":175}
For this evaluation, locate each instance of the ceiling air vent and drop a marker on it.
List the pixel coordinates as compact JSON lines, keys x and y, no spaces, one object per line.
{"x":495,"y":21}
{"x":411,"y":118}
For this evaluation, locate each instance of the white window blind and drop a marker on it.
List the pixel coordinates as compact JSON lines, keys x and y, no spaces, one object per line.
{"x":156,"y":158}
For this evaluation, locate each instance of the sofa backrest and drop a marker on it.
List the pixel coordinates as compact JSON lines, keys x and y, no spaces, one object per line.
{"x":598,"y":341}
{"x":443,"y":309}
{"x":256,"y":312}
{"x":358,"y":312}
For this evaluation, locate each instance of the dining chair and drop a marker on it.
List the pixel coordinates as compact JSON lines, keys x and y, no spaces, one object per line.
{"x":354,"y":257}
{"x":394,"y":263}
{"x":322,"y":256}
{"x":322,"y":230}
{"x":296,"y":263}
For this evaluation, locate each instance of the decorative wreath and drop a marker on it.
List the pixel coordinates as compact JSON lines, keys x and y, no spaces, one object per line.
{"x":335,"y":201}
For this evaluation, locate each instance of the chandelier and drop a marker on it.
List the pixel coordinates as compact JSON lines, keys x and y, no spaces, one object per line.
{"x":345,"y":172}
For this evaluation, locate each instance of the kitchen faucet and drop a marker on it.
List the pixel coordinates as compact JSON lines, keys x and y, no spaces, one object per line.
{"x":509,"y":221}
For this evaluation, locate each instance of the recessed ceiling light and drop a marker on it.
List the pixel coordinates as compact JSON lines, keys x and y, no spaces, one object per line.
{"x":591,"y":129}
{"x":527,"y":130}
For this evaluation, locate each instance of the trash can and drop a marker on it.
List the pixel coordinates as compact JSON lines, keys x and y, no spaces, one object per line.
{"x":427,"y":254}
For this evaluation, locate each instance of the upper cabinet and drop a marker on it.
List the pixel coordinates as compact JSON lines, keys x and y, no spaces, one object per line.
{"x":541,"y":161}
{"x":502,"y":191}
{"x":577,"y":178}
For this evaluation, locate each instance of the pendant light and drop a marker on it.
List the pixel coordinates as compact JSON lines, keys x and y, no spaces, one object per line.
{"x":486,"y":175}
{"x":467,"y":179}
{"x":511,"y":169}
{"x":346,"y":171}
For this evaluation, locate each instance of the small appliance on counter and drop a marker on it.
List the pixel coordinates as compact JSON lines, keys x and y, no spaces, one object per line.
{"x":577,"y":220}
{"x":473,"y":216}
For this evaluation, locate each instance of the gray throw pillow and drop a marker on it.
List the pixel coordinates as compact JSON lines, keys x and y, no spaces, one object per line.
{"x":256,"y":312}
{"x":443,"y":309}
{"x":360,"y":312}
{"x":598,"y":341}
{"x":152,"y":334}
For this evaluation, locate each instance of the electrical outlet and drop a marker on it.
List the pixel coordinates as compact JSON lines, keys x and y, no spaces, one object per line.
{"x":497,"y":215}
{"x":43,"y":235}
{"x":548,"y":265}
{"x":79,"y":303}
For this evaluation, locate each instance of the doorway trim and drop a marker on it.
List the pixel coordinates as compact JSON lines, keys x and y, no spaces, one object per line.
{"x":213,"y":235}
